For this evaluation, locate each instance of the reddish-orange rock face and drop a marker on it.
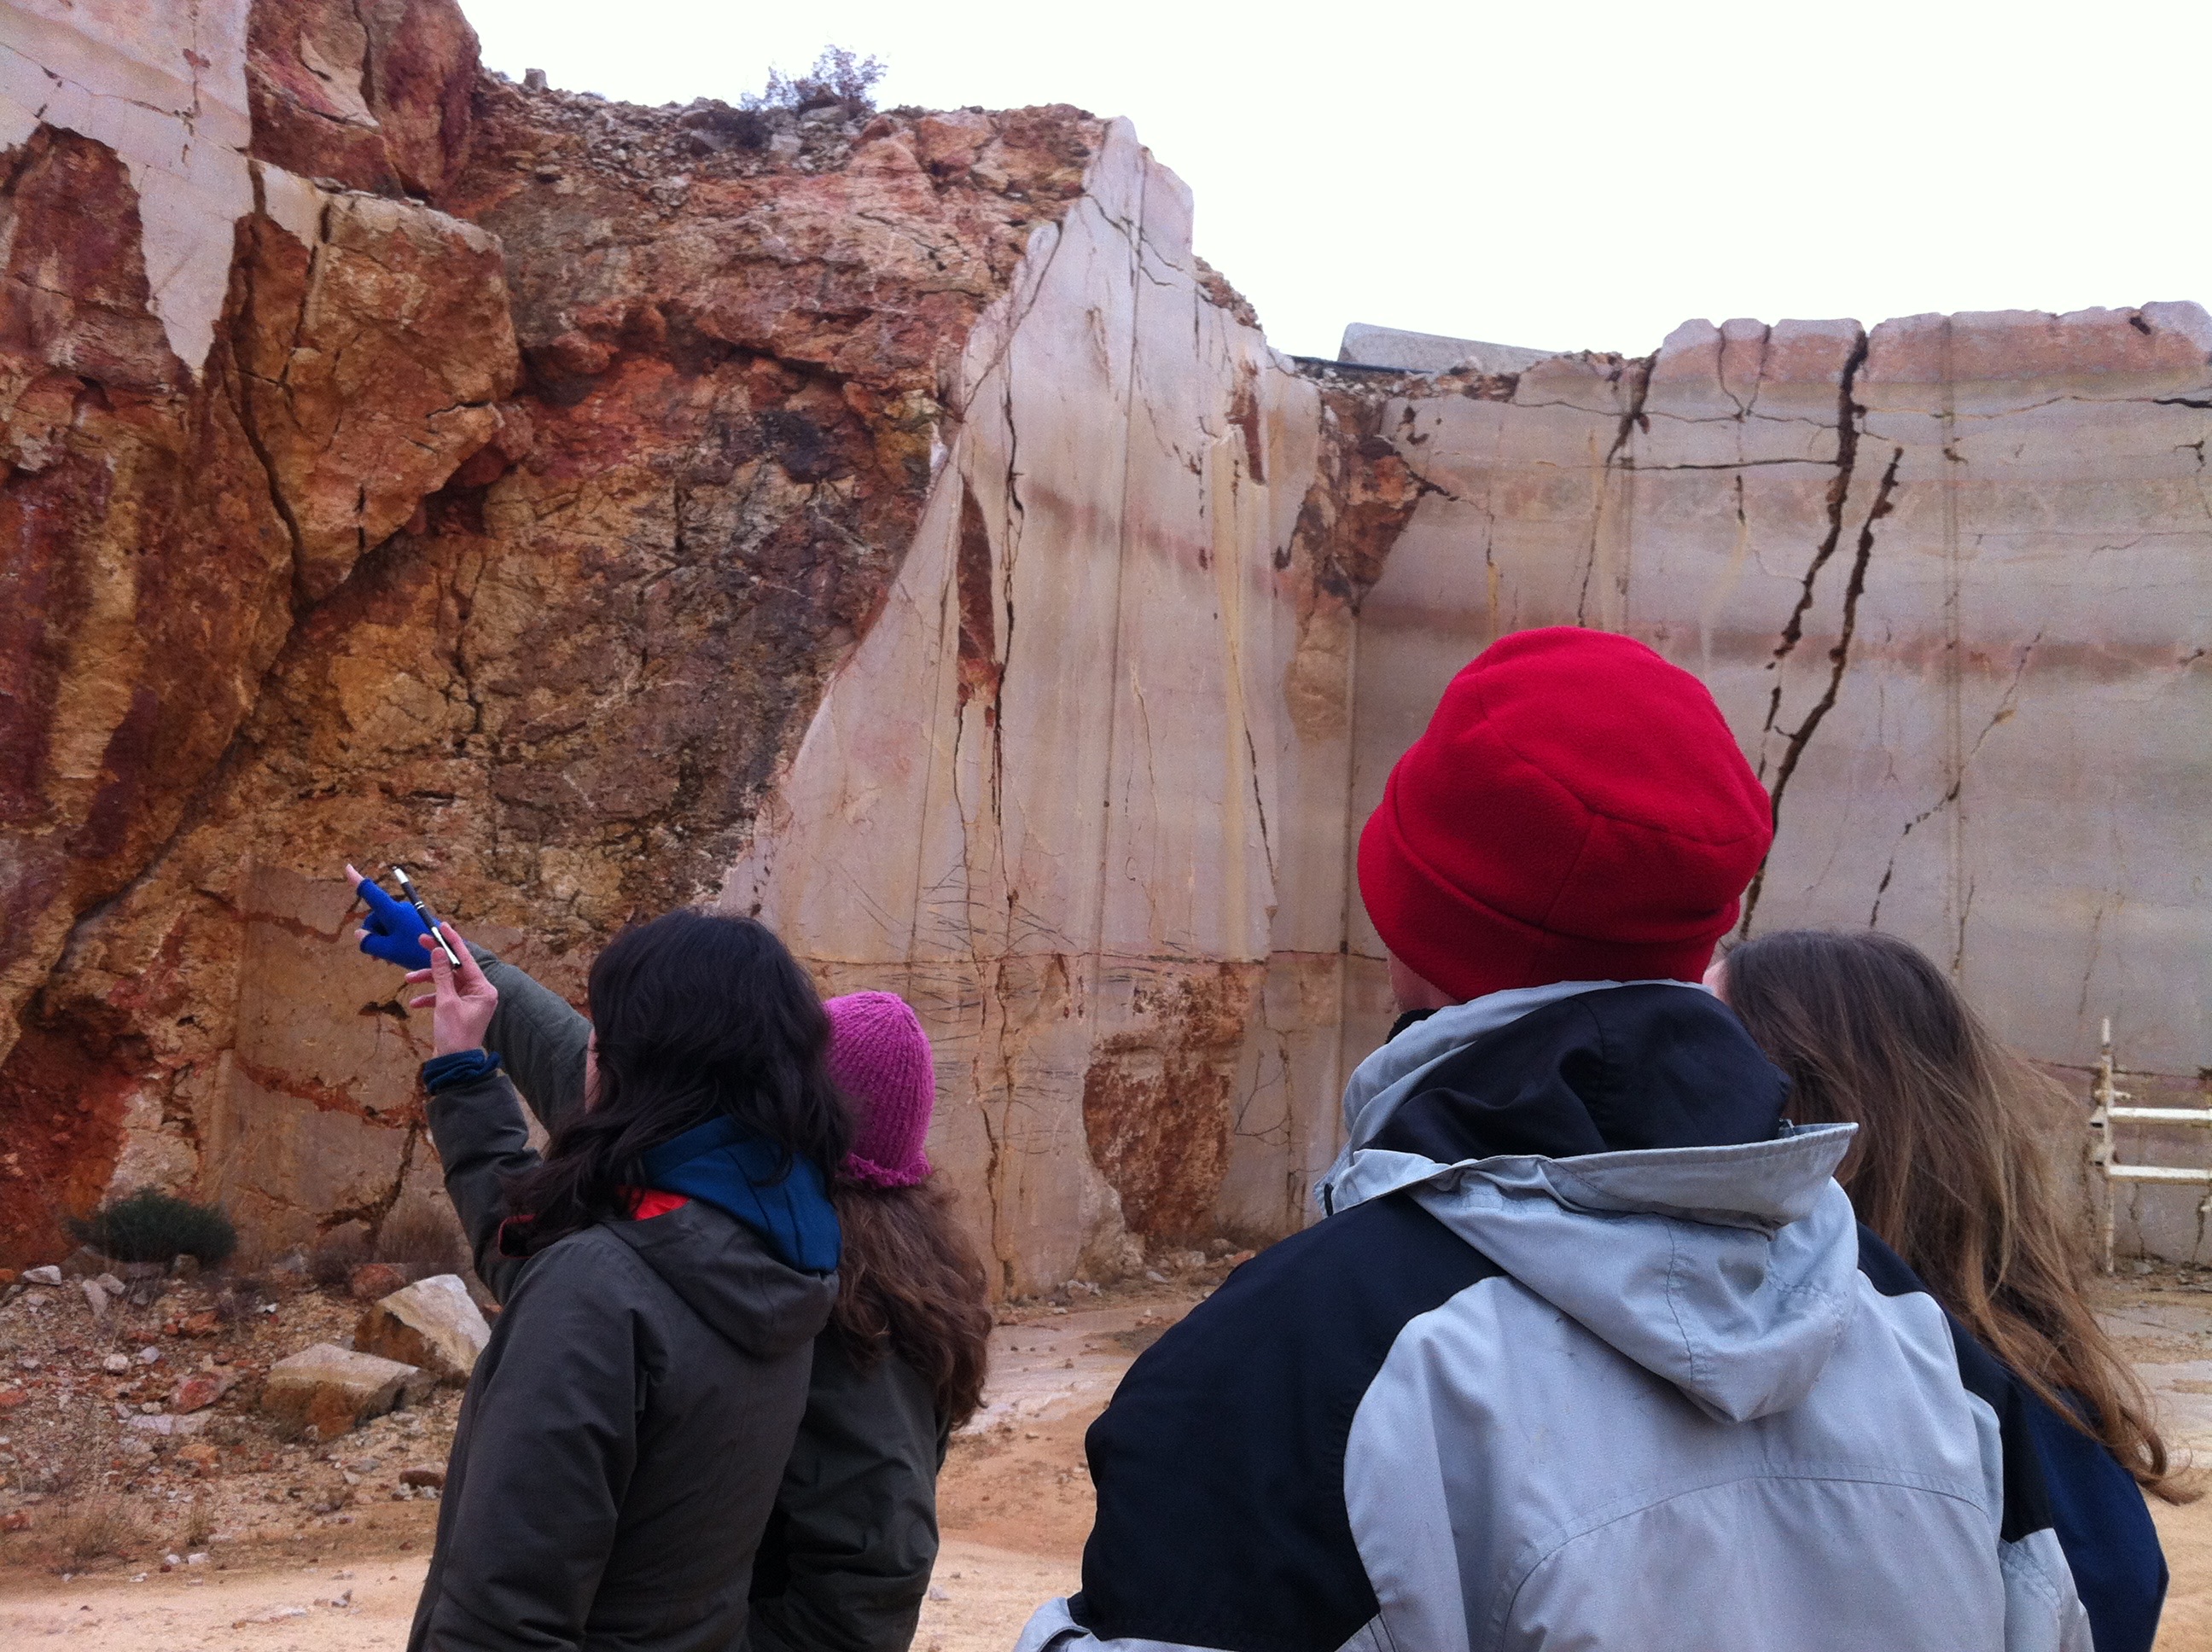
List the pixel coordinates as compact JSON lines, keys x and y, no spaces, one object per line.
{"x":374,"y":94}
{"x":548,"y":454}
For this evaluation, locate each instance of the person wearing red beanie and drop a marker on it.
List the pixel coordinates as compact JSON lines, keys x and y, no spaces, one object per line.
{"x":1588,"y":1349}
{"x":1577,"y":810}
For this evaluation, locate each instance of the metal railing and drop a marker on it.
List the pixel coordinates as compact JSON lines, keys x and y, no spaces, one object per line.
{"x":2106,"y":1095}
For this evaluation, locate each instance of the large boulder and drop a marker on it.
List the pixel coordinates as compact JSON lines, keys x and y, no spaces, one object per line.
{"x":325,"y":1390}
{"x":434,"y":1324}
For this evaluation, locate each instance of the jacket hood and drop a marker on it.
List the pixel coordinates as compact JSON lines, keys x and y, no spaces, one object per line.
{"x":1619,"y":1152}
{"x":724,"y":1274}
{"x":778,"y":1195}
{"x":753,"y":1254}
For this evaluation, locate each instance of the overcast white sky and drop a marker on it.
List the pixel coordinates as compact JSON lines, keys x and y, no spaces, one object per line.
{"x":1565,"y":173}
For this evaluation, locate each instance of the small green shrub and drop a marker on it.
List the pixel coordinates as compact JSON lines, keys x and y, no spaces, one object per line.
{"x":152,"y":1226}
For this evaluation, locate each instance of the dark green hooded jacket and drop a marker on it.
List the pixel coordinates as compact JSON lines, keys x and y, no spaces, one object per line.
{"x":627,"y":1429}
{"x":846,"y":1557}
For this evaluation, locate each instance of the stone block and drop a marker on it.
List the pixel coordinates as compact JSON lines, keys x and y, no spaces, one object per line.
{"x":433,"y":1324}
{"x":325,"y":1390}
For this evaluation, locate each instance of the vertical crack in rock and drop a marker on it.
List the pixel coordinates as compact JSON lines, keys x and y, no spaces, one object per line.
{"x":1632,"y":419}
{"x":979,"y":668}
{"x":247,"y":276}
{"x":1259,"y":803}
{"x":1848,"y":414}
{"x":1839,"y":658}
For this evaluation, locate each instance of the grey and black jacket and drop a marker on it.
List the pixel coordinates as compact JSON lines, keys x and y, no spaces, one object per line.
{"x":1589,"y":1353}
{"x":846,"y":1557}
{"x":626,"y":1429}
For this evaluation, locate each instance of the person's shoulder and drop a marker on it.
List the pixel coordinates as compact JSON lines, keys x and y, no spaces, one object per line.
{"x":1334,"y":1296}
{"x":590,"y":1264}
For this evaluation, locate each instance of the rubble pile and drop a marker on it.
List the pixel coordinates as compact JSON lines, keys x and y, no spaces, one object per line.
{"x":219,"y":1415}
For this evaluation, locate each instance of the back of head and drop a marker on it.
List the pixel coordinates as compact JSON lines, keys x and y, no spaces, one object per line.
{"x":1577,"y":810}
{"x":881,"y":1058}
{"x":698,"y":1015}
{"x":695,"y":1017}
{"x":1951,"y":1166}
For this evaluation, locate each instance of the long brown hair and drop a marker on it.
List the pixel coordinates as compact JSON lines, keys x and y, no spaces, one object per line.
{"x":910,"y":1284}
{"x":1951,"y":1166}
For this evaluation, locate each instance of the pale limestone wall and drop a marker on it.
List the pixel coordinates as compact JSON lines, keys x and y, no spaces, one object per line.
{"x":1951,"y":582}
{"x":1055,"y":797}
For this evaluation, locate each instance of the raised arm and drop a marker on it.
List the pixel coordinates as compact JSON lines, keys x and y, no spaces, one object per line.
{"x":475,"y":1120}
{"x":539,"y":1038}
{"x":537,"y":1035}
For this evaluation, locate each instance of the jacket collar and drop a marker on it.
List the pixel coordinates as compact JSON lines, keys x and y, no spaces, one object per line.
{"x":779,"y":1196}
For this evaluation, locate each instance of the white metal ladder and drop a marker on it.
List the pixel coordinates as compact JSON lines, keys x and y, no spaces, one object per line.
{"x":2106,"y":1095}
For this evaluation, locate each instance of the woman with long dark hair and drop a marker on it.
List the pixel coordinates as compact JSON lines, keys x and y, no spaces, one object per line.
{"x":664,"y":1269}
{"x":1953,"y":1169}
{"x":846,"y":1558}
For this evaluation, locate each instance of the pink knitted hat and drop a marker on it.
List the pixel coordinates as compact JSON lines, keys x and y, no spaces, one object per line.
{"x":879,"y":1056}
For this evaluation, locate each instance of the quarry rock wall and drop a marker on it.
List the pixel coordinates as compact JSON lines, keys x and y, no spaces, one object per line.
{"x":1060,"y":797}
{"x":885,"y":523}
{"x":1951,"y":581}
{"x":542,"y":457}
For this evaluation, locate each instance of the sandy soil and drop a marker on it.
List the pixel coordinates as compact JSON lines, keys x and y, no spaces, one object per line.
{"x":321,"y":1548}
{"x":987,"y":1595}
{"x":1015,"y":1501}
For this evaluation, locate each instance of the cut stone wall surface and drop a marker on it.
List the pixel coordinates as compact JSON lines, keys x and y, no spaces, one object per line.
{"x":886,"y":523}
{"x":1949,"y":581}
{"x":1428,"y":352}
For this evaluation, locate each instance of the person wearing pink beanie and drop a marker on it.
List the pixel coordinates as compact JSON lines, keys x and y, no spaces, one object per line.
{"x":848,"y":1558}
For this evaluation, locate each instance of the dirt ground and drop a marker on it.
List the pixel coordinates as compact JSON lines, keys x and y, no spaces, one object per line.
{"x":337,"y":1566}
{"x":129,"y":1523}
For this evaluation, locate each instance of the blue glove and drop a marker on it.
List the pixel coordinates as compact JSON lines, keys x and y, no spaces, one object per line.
{"x":393,"y":929}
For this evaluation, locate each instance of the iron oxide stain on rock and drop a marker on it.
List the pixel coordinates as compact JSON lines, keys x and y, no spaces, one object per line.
{"x":1157,"y":1099}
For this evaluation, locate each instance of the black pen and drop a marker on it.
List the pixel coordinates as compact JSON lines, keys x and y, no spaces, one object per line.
{"x":429,"y":923}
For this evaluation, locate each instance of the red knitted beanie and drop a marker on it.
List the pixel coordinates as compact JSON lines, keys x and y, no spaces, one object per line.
{"x":1577,"y":810}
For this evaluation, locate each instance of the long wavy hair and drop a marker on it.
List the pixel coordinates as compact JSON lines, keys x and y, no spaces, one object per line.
{"x":911,"y":1284}
{"x":1952,"y":1167}
{"x":695,"y":1017}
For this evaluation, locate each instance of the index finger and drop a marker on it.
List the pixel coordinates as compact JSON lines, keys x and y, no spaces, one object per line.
{"x":471,"y":972}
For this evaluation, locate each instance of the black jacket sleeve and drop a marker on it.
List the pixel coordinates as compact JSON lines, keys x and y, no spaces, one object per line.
{"x":553,"y":1427}
{"x":481,"y":1139}
{"x":539,"y":1038}
{"x":847,"y":1558}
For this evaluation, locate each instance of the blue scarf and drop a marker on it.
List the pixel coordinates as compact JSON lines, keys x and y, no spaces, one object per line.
{"x":719,"y":1164}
